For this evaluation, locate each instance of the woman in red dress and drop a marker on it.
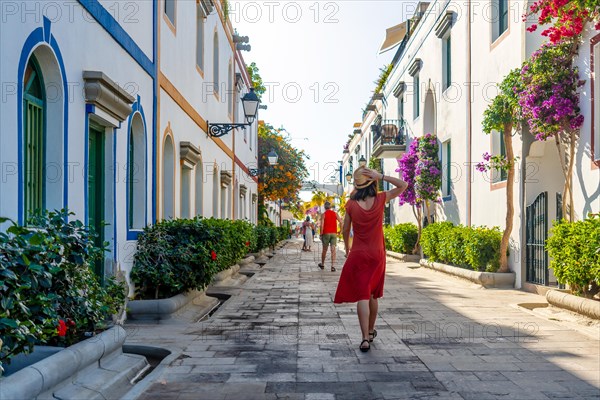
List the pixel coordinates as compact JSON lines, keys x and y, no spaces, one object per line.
{"x":364,"y":270}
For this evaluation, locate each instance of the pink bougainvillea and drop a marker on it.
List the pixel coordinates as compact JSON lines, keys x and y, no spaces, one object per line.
{"x":566,"y":17}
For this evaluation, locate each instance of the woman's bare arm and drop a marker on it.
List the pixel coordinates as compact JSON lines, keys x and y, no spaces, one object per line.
{"x":346,"y":231}
{"x":390,"y":194}
{"x":395,"y":192}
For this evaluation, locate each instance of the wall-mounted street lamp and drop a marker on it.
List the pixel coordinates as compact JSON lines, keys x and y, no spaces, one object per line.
{"x":250,"y":102}
{"x":349,"y":177}
{"x":272,"y":158}
{"x":362,"y":161}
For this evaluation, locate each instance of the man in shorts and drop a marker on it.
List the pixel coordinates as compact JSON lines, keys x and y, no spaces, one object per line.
{"x":329,"y":231}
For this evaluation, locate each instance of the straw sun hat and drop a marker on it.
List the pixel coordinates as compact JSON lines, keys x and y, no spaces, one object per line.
{"x":361,"y":181}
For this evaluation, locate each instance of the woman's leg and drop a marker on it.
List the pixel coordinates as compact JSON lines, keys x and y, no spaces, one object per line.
{"x":362,"y":309}
{"x":373,"y":307}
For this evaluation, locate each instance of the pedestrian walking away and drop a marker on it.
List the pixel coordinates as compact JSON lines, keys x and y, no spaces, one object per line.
{"x":329,"y":232}
{"x":308,"y":228}
{"x":363,"y":274}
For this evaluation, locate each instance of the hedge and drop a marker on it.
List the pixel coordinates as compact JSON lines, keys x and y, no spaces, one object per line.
{"x":401,"y":238}
{"x":49,"y":293}
{"x":476,"y":248}
{"x":175,"y":256}
{"x":574,"y":250}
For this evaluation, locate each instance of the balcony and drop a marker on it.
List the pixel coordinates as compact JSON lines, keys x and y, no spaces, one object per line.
{"x":389,"y":138}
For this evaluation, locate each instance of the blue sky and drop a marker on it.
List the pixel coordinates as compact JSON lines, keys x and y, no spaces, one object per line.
{"x":320,"y":60}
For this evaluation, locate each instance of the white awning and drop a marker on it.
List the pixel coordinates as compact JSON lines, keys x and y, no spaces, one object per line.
{"x":393,"y":37}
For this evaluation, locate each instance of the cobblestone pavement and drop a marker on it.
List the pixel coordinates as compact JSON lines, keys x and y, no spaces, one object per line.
{"x":281,"y":337}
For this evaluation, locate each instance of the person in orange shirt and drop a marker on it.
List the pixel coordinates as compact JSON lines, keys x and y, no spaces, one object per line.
{"x":329,"y":231}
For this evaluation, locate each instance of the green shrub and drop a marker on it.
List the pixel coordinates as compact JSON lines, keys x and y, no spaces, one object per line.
{"x":477,"y":248}
{"x":574,"y":249}
{"x":175,"y":256}
{"x":430,"y":237}
{"x":451,"y":244}
{"x":46,"y":276}
{"x":401,"y":238}
{"x":283,"y":232}
{"x":482,"y":248}
{"x":263,"y":235}
{"x":273,"y":236}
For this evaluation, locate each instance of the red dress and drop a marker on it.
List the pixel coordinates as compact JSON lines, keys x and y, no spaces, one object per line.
{"x":364,"y":270}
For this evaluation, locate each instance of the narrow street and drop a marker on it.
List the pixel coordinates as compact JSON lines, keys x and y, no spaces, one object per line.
{"x":281,"y":337}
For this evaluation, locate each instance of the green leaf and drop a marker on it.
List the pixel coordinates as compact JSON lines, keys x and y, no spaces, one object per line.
{"x":36,"y":239}
{"x":11,"y":323}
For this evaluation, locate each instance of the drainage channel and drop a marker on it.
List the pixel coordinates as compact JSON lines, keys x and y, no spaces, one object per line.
{"x":222,"y":297}
{"x":154,"y":356}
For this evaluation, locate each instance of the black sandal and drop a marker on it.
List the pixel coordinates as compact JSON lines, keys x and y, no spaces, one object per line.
{"x":321,"y":266}
{"x":364,"y":349}
{"x":332,"y":269}
{"x":374,"y":334}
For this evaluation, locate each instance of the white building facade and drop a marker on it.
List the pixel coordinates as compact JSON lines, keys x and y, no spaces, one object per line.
{"x":448,"y":59}
{"x":105,"y":109}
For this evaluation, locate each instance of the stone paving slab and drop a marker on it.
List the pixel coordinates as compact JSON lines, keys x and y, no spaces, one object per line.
{"x":281,"y":337}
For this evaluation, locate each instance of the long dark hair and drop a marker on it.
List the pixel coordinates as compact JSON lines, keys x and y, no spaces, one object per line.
{"x":362,"y":194}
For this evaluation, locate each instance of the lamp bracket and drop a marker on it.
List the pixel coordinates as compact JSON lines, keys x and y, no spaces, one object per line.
{"x":218,"y":130}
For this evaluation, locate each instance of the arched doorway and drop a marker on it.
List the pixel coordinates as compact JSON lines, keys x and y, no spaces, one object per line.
{"x":215,"y":193}
{"x":168,"y":173}
{"x":429,"y":118}
{"x":199,"y":188}
{"x":136,"y":174}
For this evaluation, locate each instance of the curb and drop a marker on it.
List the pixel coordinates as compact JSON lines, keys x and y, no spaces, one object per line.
{"x":486,"y":279}
{"x":67,"y":365}
{"x":158,"y":309}
{"x":403,"y":257}
{"x":581,"y":305}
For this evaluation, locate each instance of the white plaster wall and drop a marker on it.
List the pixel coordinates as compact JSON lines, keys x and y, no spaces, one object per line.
{"x":178,"y":63}
{"x":586,"y":177}
{"x":136,"y":18}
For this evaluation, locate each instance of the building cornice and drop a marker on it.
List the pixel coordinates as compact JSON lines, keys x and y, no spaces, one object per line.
{"x":445,"y":24}
{"x":415,"y":67}
{"x":105,"y":94}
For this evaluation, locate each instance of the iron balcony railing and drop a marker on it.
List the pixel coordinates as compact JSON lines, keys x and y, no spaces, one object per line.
{"x":389,"y":132}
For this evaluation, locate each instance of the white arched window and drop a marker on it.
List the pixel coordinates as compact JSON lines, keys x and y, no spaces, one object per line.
{"x":216,"y":63}
{"x":168,"y":168}
{"x":136,"y":174}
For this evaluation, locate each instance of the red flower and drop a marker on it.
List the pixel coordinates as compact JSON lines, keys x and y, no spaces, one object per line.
{"x":62,"y":328}
{"x":213,"y":255}
{"x":247,"y":244}
{"x":71,"y":322}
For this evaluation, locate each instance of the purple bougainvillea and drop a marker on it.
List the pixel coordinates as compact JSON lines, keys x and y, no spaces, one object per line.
{"x":406,"y":166}
{"x":420,"y":168}
{"x":550,"y":98}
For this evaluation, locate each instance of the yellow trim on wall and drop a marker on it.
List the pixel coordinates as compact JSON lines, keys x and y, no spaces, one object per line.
{"x":178,"y":98}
